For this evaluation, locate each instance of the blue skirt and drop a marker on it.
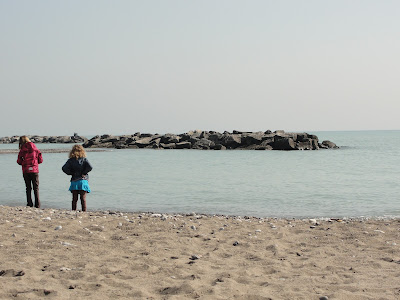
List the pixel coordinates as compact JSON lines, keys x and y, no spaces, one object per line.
{"x":79,"y":185}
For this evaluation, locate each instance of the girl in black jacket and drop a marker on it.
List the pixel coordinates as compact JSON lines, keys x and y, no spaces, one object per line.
{"x":78,"y":167}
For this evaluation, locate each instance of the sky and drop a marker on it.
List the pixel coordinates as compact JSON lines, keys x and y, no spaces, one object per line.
{"x":157,"y":66}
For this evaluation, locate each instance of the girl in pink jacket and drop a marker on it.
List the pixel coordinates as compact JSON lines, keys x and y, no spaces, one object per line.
{"x":29,"y":158}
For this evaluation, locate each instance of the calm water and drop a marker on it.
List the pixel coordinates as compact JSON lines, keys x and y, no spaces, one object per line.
{"x":360,"y":179}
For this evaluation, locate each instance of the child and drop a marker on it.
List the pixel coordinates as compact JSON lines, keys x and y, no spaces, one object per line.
{"x":29,"y":157}
{"x":78,"y":167}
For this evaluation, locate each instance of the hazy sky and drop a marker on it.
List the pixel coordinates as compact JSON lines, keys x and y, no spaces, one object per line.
{"x":118,"y":67}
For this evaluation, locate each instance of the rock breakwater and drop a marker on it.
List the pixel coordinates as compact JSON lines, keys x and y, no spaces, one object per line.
{"x":212,"y":140}
{"x":46,"y":139}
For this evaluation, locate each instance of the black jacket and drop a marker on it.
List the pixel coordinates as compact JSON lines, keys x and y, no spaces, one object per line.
{"x":77,"y":168}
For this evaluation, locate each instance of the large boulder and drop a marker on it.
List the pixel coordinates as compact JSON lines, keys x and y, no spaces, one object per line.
{"x":170,"y":138}
{"x":252,"y":138}
{"x":183,"y":145}
{"x":143,"y":142}
{"x":218,"y":147}
{"x":167,"y":146}
{"x":328,"y":145}
{"x":203,"y":144}
{"x":231,"y":141}
{"x":283,"y":143}
{"x":216,"y":137}
{"x":93,"y":142}
{"x":305,"y":144}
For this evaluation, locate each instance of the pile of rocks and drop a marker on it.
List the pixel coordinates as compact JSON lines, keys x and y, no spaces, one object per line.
{"x":46,"y":139}
{"x":205,"y":140}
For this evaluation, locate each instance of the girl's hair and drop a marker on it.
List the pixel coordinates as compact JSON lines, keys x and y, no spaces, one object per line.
{"x":77,"y":152}
{"x":23,"y":140}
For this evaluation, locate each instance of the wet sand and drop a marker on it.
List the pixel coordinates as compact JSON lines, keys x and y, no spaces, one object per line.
{"x":59,"y":254}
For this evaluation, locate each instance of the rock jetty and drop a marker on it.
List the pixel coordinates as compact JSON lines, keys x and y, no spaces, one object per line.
{"x":46,"y":139}
{"x":212,"y":140}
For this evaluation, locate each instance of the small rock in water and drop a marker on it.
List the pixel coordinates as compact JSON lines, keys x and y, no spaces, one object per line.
{"x":58,"y":227}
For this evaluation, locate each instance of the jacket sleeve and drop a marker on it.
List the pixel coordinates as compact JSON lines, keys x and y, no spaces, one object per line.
{"x":20,"y":157}
{"x":40,"y":157}
{"x":67,"y":168}
{"x":87,"y":168}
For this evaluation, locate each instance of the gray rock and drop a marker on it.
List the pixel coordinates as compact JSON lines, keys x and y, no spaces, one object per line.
{"x":167,"y":146}
{"x":328,"y":145}
{"x":252,"y":138}
{"x":283,"y":143}
{"x":219,"y":147}
{"x":203,"y":144}
{"x":143,"y":142}
{"x":170,"y":138}
{"x":231,"y":141}
{"x":183,"y":145}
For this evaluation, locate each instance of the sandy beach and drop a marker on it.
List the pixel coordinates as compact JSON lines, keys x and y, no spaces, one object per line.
{"x":58,"y":254}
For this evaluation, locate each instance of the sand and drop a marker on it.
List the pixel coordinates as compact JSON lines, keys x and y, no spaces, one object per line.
{"x":58,"y":254}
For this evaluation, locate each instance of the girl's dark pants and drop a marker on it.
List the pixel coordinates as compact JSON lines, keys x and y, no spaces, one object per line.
{"x":32,"y":179}
{"x":75,"y":195}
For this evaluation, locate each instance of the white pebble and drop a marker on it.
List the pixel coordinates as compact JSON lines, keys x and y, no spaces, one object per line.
{"x":67,"y":244}
{"x":313,"y":221}
{"x":58,"y":227}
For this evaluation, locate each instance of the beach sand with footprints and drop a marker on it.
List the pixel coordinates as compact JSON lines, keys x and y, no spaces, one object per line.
{"x":59,"y":254}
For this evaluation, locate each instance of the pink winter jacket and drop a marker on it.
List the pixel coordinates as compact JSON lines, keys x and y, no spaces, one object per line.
{"x":29,"y":158}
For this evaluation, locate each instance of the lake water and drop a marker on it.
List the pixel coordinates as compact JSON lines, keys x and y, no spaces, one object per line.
{"x":360,"y":179}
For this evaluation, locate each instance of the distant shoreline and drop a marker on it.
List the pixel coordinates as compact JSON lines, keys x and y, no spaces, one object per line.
{"x":14,"y":151}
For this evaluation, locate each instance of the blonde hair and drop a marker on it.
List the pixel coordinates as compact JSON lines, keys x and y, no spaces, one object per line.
{"x":23,"y":140}
{"x":77,"y":152}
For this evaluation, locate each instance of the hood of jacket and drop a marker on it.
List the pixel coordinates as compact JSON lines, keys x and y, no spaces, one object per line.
{"x":29,"y":147}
